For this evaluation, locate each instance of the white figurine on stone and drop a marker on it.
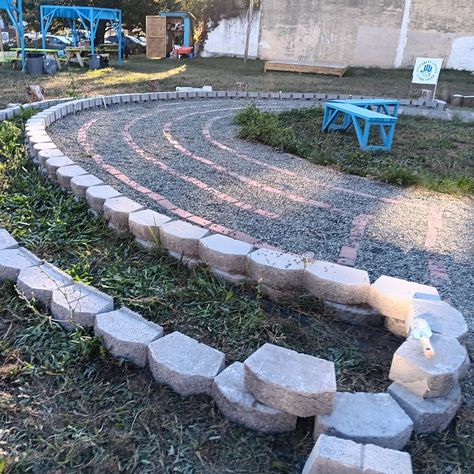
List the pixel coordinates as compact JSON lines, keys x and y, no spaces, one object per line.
{"x":420,"y":329}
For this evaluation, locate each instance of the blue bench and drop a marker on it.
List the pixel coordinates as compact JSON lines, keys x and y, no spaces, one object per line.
{"x":360,"y":113}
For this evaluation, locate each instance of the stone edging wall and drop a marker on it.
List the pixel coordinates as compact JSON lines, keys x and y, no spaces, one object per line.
{"x":259,"y":394}
{"x":11,"y":112}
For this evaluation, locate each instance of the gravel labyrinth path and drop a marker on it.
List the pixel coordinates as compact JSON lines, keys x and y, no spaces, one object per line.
{"x":184,"y":159}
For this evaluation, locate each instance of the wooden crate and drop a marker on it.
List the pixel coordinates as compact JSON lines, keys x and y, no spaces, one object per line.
{"x":155,"y":36}
{"x":311,"y":68}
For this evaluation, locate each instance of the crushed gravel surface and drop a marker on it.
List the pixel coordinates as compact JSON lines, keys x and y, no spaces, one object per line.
{"x":395,"y":240}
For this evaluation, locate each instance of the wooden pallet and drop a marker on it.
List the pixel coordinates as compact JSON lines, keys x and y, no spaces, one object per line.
{"x":311,"y":68}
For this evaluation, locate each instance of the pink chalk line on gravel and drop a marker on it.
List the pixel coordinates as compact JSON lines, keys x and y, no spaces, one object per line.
{"x":348,"y":254}
{"x":244,"y":179}
{"x":161,"y":200}
{"x":189,"y":179}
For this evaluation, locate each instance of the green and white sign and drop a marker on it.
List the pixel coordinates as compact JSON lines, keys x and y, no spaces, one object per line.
{"x":427,"y":70}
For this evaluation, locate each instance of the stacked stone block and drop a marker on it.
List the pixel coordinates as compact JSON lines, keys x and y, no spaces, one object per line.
{"x":341,"y":456}
{"x":241,"y":394}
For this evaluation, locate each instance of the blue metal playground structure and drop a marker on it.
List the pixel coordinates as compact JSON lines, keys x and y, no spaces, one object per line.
{"x":15,"y":14}
{"x":86,"y":17}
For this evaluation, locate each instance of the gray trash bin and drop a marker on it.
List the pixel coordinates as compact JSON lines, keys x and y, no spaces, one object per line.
{"x":94,"y":61}
{"x":34,"y":63}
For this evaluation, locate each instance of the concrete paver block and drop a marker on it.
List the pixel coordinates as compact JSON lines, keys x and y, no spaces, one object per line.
{"x":183,"y":363}
{"x":276,"y":269}
{"x":428,"y":414}
{"x":377,"y":460}
{"x":78,"y":304}
{"x":45,"y":155}
{"x":56,"y":162}
{"x":12,"y":261}
{"x":392,"y":296}
{"x":36,"y":148}
{"x":338,"y":283}
{"x":441,"y":316}
{"x":374,"y":418}
{"x":39,"y":282}
{"x":7,"y":241}
{"x":237,"y":404}
{"x":232,"y":278}
{"x":359,"y":315}
{"x":396,"y":326}
{"x":97,"y":195}
{"x":126,"y":334}
{"x":80,"y":184}
{"x":429,"y":377}
{"x":66,"y":173}
{"x":296,"y":383}
{"x":182,"y":237}
{"x":333,"y":455}
{"x":224,"y":253}
{"x":117,"y":211}
{"x":145,"y":226}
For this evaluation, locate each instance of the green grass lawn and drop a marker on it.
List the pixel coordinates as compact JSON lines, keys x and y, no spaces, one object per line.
{"x":222,"y":74}
{"x":432,"y":154}
{"x":67,"y":406}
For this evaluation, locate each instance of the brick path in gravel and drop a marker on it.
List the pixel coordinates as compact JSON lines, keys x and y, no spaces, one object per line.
{"x":184,"y":159}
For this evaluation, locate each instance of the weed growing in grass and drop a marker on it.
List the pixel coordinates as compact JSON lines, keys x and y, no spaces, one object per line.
{"x":432,"y":154}
{"x":66,"y":406}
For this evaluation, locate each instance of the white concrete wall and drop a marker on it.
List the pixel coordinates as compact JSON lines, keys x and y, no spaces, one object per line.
{"x":228,"y":38}
{"x":383,"y":33}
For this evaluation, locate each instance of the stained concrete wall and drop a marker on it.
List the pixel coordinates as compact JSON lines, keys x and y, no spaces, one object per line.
{"x":384,"y":33}
{"x":228,"y":38}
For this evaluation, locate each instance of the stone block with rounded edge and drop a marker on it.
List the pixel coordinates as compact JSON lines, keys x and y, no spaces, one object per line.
{"x":117,"y":211}
{"x":338,"y":283}
{"x":238,"y":405}
{"x":334,"y":455}
{"x":187,"y":366}
{"x":392,"y":296}
{"x":359,"y":315}
{"x":97,"y":195}
{"x":145,"y":226}
{"x":80,"y":184}
{"x":428,"y":414}
{"x":39,"y":282}
{"x":12,"y":261}
{"x":78,"y":305}
{"x":224,"y":253}
{"x":37,"y":147}
{"x":182,"y":238}
{"x":296,"y":383}
{"x":378,"y":460}
{"x":441,"y":316}
{"x":425,"y":377}
{"x":56,"y":162}
{"x":126,"y":334}
{"x":374,"y":418}
{"x":45,"y":155}
{"x":66,"y":173}
{"x":396,"y":326}
{"x":276,"y":269}
{"x":7,"y":241}
{"x":37,"y":137}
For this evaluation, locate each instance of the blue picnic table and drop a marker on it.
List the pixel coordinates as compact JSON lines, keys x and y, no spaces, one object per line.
{"x":363,"y":114}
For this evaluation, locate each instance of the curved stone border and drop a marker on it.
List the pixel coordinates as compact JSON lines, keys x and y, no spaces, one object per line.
{"x":279,"y":274}
{"x":10,"y":112}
